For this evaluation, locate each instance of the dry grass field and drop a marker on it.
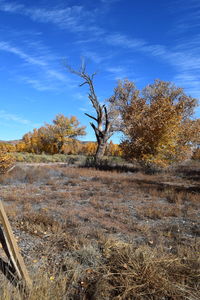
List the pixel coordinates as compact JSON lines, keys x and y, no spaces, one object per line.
{"x":91,"y":234}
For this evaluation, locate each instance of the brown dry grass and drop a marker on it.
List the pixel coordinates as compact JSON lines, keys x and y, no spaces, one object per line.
{"x":89,"y":234}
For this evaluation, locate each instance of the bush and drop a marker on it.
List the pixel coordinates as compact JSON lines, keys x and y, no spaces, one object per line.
{"x":6,"y":162}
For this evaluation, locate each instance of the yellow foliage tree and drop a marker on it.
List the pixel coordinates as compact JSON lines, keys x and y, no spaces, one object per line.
{"x":6,"y":147}
{"x":155,"y":122}
{"x":53,"y":138}
{"x":6,"y":162}
{"x":89,"y":148}
{"x":113,"y":149}
{"x":71,"y":146}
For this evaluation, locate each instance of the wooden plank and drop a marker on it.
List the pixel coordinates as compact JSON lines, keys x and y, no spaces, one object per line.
{"x":13,"y":249}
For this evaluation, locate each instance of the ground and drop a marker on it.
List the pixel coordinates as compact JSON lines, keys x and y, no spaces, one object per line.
{"x":72,"y":222}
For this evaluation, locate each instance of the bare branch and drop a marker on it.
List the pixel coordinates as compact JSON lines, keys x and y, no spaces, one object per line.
{"x":107,"y":125}
{"x":83,"y":83}
{"x":91,"y":117}
{"x":96,"y":132}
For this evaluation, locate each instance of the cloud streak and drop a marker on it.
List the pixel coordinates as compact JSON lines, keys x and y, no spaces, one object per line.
{"x":117,"y":72}
{"x":47,"y":80}
{"x":14,"y":118}
{"x":70,"y":17}
{"x":4,"y":46}
{"x":184,"y":59}
{"x":121,"y":40}
{"x":189,"y":15}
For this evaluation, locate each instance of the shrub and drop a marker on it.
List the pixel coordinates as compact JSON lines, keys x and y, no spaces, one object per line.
{"x":6,"y":162}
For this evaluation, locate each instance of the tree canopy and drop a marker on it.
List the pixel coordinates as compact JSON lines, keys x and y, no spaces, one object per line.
{"x":51,"y":138}
{"x":156,"y":122}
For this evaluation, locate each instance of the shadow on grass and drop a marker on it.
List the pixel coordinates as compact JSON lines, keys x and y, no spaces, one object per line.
{"x":108,"y":165}
{"x":162,"y":186}
{"x":189,"y":173}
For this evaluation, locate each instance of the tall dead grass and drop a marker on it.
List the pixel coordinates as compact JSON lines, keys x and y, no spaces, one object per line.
{"x":90,"y":234}
{"x":118,"y":270}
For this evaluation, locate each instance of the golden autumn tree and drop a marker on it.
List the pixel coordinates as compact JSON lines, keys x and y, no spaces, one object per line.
{"x":6,"y":158}
{"x":21,"y":147}
{"x":155,"y":121}
{"x":53,"y":138}
{"x":89,"y":148}
{"x":113,"y":149}
{"x":7,"y":147}
{"x":6,"y":161}
{"x":72,"y":147}
{"x":65,"y":130}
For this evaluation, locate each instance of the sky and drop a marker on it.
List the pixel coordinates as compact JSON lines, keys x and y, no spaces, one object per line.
{"x":139,"y":40}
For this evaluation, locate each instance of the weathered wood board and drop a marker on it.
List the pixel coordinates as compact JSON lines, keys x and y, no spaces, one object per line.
{"x":12,"y":249}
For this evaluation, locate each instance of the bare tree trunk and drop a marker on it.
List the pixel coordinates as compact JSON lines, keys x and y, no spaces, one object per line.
{"x":101,"y":148}
{"x":103,"y":128}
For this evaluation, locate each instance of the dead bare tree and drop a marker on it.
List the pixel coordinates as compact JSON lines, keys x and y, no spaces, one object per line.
{"x":103,"y":129}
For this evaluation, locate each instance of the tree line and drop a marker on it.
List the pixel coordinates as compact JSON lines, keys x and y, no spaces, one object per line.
{"x":157,"y":124}
{"x":60,"y":137}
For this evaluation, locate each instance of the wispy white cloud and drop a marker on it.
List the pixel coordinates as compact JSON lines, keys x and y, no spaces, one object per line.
{"x":10,"y":7}
{"x":185,"y":59}
{"x":14,"y":118}
{"x":73,"y":18}
{"x":45,"y":77}
{"x":118,"y":39}
{"x":186,"y":64}
{"x":187,"y":15}
{"x":83,"y":109}
{"x":190,"y":81}
{"x":37,"y":84}
{"x":4,"y":46}
{"x":60,"y":76}
{"x":96,"y":57}
{"x":49,"y":80}
{"x":80,"y":96}
{"x":117,"y":72}
{"x":86,"y":40}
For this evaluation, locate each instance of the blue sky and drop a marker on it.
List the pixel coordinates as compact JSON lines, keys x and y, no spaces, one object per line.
{"x":140,"y":40}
